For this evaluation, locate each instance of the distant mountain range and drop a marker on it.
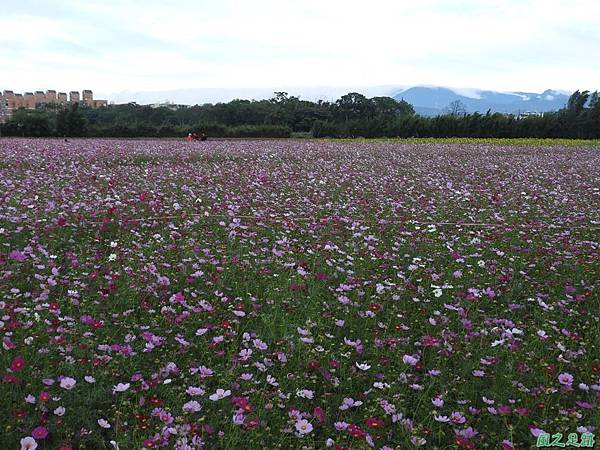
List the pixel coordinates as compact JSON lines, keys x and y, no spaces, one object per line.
{"x":427,"y":100}
{"x":432,"y":101}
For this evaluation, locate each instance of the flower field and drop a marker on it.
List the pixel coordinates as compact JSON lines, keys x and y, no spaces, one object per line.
{"x":297,"y":294}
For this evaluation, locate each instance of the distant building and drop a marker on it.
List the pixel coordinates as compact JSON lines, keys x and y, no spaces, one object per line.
{"x":88,"y":98}
{"x":9,"y":98}
{"x":10,"y":101}
{"x":40,"y":98}
{"x":50,"y":96}
{"x":74,"y":97}
{"x":29,"y":100}
{"x":19,"y":101}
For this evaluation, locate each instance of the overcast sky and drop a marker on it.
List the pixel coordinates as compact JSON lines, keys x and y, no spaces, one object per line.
{"x":115,"y":45}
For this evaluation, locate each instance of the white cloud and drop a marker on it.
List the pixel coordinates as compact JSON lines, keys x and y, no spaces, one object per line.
{"x":115,"y":45}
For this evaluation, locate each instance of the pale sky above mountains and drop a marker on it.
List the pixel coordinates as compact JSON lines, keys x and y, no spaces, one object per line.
{"x":115,"y":45}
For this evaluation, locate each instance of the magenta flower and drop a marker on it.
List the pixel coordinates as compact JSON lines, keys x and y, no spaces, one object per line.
{"x":17,"y":255}
{"x":17,"y":364}
{"x":507,"y":445}
{"x":39,"y":432}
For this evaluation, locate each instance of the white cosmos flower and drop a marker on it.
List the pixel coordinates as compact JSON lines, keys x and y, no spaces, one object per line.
{"x":28,"y":443}
{"x":121,"y":387}
{"x":363,"y":366}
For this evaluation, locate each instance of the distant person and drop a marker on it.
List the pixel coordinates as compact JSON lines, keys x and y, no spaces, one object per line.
{"x":203,"y":137}
{"x":189,"y":137}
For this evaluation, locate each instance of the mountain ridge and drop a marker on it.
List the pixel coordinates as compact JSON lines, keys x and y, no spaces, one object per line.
{"x":429,"y":100}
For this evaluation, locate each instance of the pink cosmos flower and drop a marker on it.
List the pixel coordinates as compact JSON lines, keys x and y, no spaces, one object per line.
{"x":535,"y":431}
{"x":238,"y":419}
{"x":220,"y":394}
{"x":407,"y":359}
{"x":304,"y":426}
{"x":349,"y":403}
{"x":192,"y":390}
{"x":457,"y":417}
{"x":437,"y":402}
{"x":191,"y":406}
{"x":467,"y":433}
{"x":507,"y":445}
{"x":566,"y":379}
{"x":259,"y":344}
{"x":67,"y":383}
{"x":164,"y":281}
{"x":340,"y":426}
{"x":205,"y":372}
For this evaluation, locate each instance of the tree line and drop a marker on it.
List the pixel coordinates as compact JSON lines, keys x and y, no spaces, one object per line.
{"x":353,"y":115}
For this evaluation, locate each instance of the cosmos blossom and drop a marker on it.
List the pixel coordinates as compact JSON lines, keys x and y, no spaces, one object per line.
{"x":292,"y":284}
{"x":303,"y":426}
{"x":17,"y":255}
{"x":565,"y":379}
{"x":68,"y":383}
{"x":120,"y":387}
{"x":17,"y":364}
{"x":220,"y":394}
{"x":192,"y":406}
{"x":28,"y":443}
{"x":103,"y":423}
{"x":40,"y":432}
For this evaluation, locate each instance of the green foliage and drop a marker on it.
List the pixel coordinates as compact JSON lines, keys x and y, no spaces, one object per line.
{"x":351,"y":116}
{"x":28,"y":123}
